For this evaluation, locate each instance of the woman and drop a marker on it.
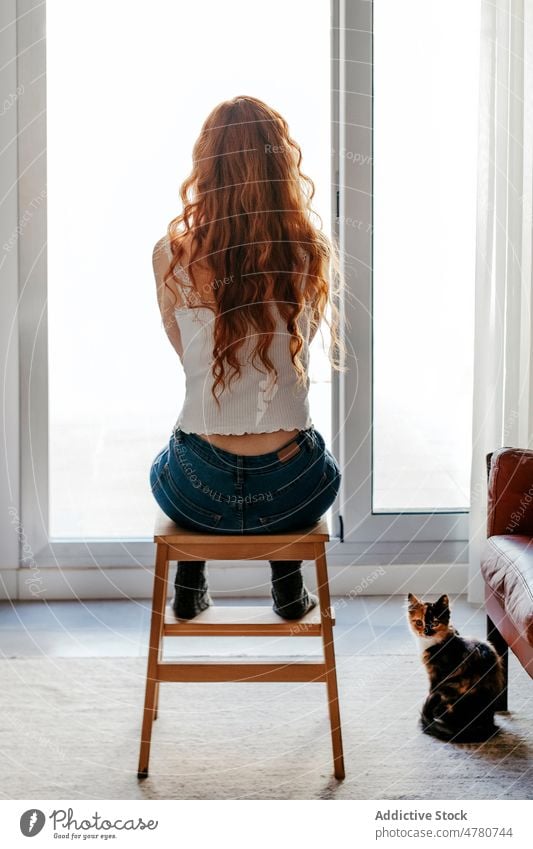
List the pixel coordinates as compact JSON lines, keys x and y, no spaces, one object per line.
{"x":242,"y":285}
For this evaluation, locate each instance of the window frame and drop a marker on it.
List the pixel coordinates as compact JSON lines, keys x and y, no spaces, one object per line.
{"x":419,"y":534}
{"x":357,"y":536}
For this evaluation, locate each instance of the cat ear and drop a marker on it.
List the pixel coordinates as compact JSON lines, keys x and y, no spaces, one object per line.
{"x":443,"y":602}
{"x":412,"y":599}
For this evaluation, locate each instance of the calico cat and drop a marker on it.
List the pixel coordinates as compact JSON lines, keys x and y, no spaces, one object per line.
{"x":465,"y":676}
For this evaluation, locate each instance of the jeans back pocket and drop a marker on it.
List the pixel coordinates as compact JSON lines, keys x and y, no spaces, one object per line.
{"x":305,"y":509}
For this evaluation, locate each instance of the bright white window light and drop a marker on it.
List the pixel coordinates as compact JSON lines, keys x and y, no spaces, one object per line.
{"x":426,"y":58}
{"x":128,"y":87}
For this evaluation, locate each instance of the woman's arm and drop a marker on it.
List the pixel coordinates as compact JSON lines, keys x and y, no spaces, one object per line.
{"x":165,"y":296}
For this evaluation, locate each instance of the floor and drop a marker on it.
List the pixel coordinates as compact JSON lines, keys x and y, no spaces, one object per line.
{"x":73,"y":681}
{"x":369,"y":625}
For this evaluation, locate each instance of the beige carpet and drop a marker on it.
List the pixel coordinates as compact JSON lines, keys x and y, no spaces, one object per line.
{"x":70,"y":729}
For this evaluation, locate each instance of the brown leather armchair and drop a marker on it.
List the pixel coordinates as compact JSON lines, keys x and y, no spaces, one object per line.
{"x":507,"y":560}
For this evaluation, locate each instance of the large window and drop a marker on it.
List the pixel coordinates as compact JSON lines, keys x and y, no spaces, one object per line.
{"x":101,"y":387}
{"x":424,"y":162}
{"x":408,"y":95}
{"x":127,"y":92}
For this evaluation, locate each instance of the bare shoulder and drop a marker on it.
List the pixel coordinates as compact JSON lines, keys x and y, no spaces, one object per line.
{"x":161,"y":259}
{"x":161,"y":252}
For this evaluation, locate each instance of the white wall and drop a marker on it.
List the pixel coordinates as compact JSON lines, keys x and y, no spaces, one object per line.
{"x":9,"y":448}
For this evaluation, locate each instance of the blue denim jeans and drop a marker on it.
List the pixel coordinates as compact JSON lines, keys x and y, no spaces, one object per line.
{"x":207,"y":489}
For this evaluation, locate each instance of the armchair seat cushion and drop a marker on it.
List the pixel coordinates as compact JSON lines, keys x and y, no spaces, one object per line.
{"x":507,"y":567}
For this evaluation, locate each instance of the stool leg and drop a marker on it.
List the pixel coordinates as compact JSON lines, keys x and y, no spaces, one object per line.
{"x":329,"y":659}
{"x":154,"y":654}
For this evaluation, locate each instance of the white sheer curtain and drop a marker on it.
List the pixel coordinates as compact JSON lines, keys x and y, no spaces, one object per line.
{"x":503,"y":394}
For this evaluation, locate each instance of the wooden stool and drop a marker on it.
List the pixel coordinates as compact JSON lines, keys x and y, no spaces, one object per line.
{"x":175,"y":543}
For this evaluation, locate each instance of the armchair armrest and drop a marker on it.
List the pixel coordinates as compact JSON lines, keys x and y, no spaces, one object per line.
{"x":510,"y":492}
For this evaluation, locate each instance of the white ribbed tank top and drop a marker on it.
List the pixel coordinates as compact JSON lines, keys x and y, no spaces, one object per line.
{"x":256,"y":402}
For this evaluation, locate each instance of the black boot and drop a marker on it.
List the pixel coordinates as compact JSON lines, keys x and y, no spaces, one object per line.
{"x":191,"y":594}
{"x":292,"y":600}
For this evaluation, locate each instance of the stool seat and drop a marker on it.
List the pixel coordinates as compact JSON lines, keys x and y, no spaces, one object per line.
{"x":167,"y":530}
{"x":177,"y":543}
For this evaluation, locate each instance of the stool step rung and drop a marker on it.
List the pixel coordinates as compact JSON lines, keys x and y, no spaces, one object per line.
{"x":255,"y":672}
{"x":219,"y":621}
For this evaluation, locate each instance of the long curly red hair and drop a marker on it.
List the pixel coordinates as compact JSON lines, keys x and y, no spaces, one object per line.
{"x":247,"y":216}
